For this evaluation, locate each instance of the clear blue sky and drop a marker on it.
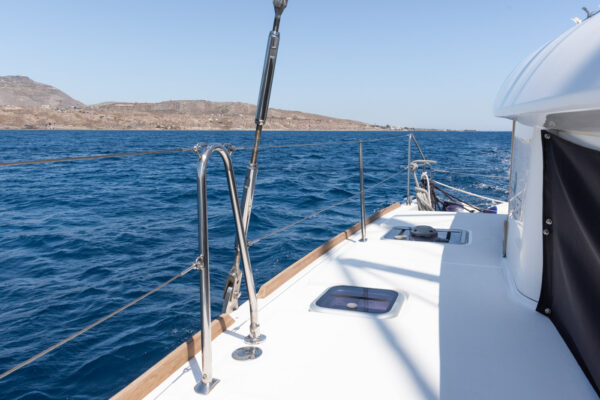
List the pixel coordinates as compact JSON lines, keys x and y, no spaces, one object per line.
{"x":431,"y":64}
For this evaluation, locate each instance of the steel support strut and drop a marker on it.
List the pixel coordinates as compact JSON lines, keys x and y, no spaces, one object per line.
{"x":231,"y":293}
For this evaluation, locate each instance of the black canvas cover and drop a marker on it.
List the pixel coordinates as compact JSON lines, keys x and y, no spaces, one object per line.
{"x":571,"y":280}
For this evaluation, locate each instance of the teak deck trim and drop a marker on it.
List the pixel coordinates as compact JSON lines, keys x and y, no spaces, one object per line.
{"x":160,"y":371}
{"x":285,"y":275}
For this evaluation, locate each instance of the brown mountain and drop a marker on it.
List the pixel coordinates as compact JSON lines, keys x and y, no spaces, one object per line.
{"x":20,"y":91}
{"x":25,"y":104}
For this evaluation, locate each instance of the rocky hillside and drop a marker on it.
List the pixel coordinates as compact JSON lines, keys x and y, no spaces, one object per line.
{"x":25,"y":104}
{"x":20,"y":91}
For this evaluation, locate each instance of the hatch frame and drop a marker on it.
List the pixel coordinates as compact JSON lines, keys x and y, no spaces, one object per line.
{"x":394,"y":310}
{"x":395,"y":231}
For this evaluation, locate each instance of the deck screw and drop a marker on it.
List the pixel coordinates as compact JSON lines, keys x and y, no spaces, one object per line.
{"x":548,"y":221}
{"x":546,"y":232}
{"x":547,"y":311}
{"x":546,"y":136}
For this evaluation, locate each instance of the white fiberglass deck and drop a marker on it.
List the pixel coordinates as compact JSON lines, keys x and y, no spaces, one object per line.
{"x":462,"y":333}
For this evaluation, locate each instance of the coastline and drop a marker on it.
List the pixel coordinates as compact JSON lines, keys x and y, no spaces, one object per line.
{"x":181,"y":116}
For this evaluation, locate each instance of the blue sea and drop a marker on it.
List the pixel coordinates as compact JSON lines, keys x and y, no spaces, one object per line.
{"x":80,"y":239}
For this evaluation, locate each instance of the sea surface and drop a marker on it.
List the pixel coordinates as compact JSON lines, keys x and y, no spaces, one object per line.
{"x":80,"y":239}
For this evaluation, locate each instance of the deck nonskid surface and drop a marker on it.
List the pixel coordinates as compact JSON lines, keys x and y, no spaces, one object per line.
{"x":463,"y":331}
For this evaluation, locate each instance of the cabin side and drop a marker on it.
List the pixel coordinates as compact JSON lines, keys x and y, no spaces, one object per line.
{"x":552,"y":235}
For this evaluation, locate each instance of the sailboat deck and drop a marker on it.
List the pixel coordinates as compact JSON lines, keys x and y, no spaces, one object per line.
{"x":463,"y":331}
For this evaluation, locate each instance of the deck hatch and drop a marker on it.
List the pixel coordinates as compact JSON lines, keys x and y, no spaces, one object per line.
{"x":379,"y":303}
{"x":450,"y":236}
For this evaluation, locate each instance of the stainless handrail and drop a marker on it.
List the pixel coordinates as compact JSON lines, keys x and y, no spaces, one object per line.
{"x":199,"y":261}
{"x":363,"y":225}
{"x":208,"y":382}
{"x":408,"y":170}
{"x":202,"y":262}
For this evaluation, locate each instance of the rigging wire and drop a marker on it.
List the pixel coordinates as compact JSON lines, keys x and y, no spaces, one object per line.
{"x":276,"y":146}
{"x":141,"y":153}
{"x":314,"y":214}
{"x":463,"y":172}
{"x":94,"y":157}
{"x":414,"y":139}
{"x":98,"y":322}
{"x":179,"y":275}
{"x":250,"y":243}
{"x":466,"y":192}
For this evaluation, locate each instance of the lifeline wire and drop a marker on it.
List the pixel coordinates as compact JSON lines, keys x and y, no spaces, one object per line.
{"x":460,"y":172}
{"x":98,"y":156}
{"x":320,"y":143}
{"x":196,"y":263}
{"x":141,"y":153}
{"x":179,"y":275}
{"x":253,"y":242}
{"x":98,"y":322}
{"x":465,"y":192}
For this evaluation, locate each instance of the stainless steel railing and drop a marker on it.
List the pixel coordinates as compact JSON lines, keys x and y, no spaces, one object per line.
{"x":363,"y":225}
{"x":196,"y":264}
{"x":202,"y":262}
{"x":208,"y":381}
{"x":408,"y":155}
